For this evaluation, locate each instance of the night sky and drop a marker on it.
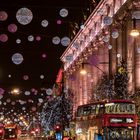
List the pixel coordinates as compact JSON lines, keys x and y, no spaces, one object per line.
{"x":41,"y":57}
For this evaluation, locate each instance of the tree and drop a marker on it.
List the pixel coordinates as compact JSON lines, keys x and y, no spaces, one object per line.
{"x":121,"y":81}
{"x":56,"y":111}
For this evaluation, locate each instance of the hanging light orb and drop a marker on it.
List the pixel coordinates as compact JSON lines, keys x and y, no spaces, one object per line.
{"x":25,"y":77}
{"x":44,"y":23}
{"x":106,"y":38}
{"x":30,"y":38}
{"x":56,"y":40}
{"x":40,"y":100}
{"x":17,"y":58}
{"x":24,"y":16}
{"x":138,"y":50}
{"x":12,"y":28}
{"x":44,"y":55}
{"x":18,"y":41}
{"x":3,"y":38}
{"x":3,"y":16}
{"x":49,"y":91}
{"x":27,"y":93}
{"x":65,"y":41}
{"x":118,"y":55}
{"x":63,"y":12}
{"x":115,"y":33}
{"x":69,"y":57}
{"x":59,"y":21}
{"x":42,"y":76}
{"x":109,"y":47}
{"x":38,"y":38}
{"x":107,"y":20}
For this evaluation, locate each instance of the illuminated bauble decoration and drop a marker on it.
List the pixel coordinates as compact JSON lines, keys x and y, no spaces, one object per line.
{"x":109,"y":47}
{"x":17,"y":58}
{"x":12,"y":28}
{"x":30,"y":38}
{"x":27,"y":93}
{"x":5,"y":103}
{"x":65,"y":41}
{"x":24,"y":16}
{"x":0,"y":102}
{"x":18,"y":41}
{"x":13,"y":103}
{"x":138,"y":50}
{"x":82,"y":26}
{"x":106,"y":38}
{"x":136,"y":14}
{"x":56,"y":40}
{"x":8,"y":100}
{"x":23,"y":108}
{"x":118,"y":55}
{"x":49,"y":91}
{"x":44,"y":23}
{"x":40,"y":100}
{"x":107,"y":20}
{"x":100,"y":12}
{"x":9,"y":76}
{"x":115,"y":33}
{"x":59,"y":21}
{"x":33,"y":108}
{"x":41,"y":76}
{"x":75,"y":45}
{"x":63,"y":12}
{"x":44,"y":55}
{"x":3,"y":16}
{"x":3,"y":38}
{"x":2,"y":91}
{"x":25,"y":77}
{"x":38,"y":38}
{"x":69,"y":57}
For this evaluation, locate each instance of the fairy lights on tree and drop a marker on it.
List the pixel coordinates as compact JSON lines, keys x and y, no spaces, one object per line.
{"x":57,"y":110}
{"x":115,"y":88}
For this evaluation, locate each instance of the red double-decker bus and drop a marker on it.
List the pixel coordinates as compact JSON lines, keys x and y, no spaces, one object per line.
{"x":107,"y":120}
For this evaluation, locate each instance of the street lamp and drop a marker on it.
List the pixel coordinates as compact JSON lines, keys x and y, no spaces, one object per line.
{"x":134,"y":32}
{"x":84,"y":72}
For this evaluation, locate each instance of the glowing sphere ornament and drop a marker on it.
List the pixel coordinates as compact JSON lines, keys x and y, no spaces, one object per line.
{"x":44,"y":23}
{"x":44,"y":55}
{"x":118,"y":55}
{"x":3,"y":16}
{"x":69,"y":57}
{"x":42,"y":76}
{"x":17,"y":58}
{"x":56,"y":40}
{"x":40,"y":100}
{"x":49,"y":91}
{"x":138,"y":50}
{"x":18,"y":41}
{"x":27,"y":93}
{"x":3,"y":38}
{"x":1,"y":96}
{"x":24,"y":16}
{"x":115,"y":33}
{"x":38,"y":38}
{"x":107,"y":20}
{"x":59,"y":22}
{"x":63,"y":12}
{"x":109,"y":47}
{"x":25,"y":77}
{"x":30,"y":38}
{"x":65,"y":41}
{"x":12,"y":28}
